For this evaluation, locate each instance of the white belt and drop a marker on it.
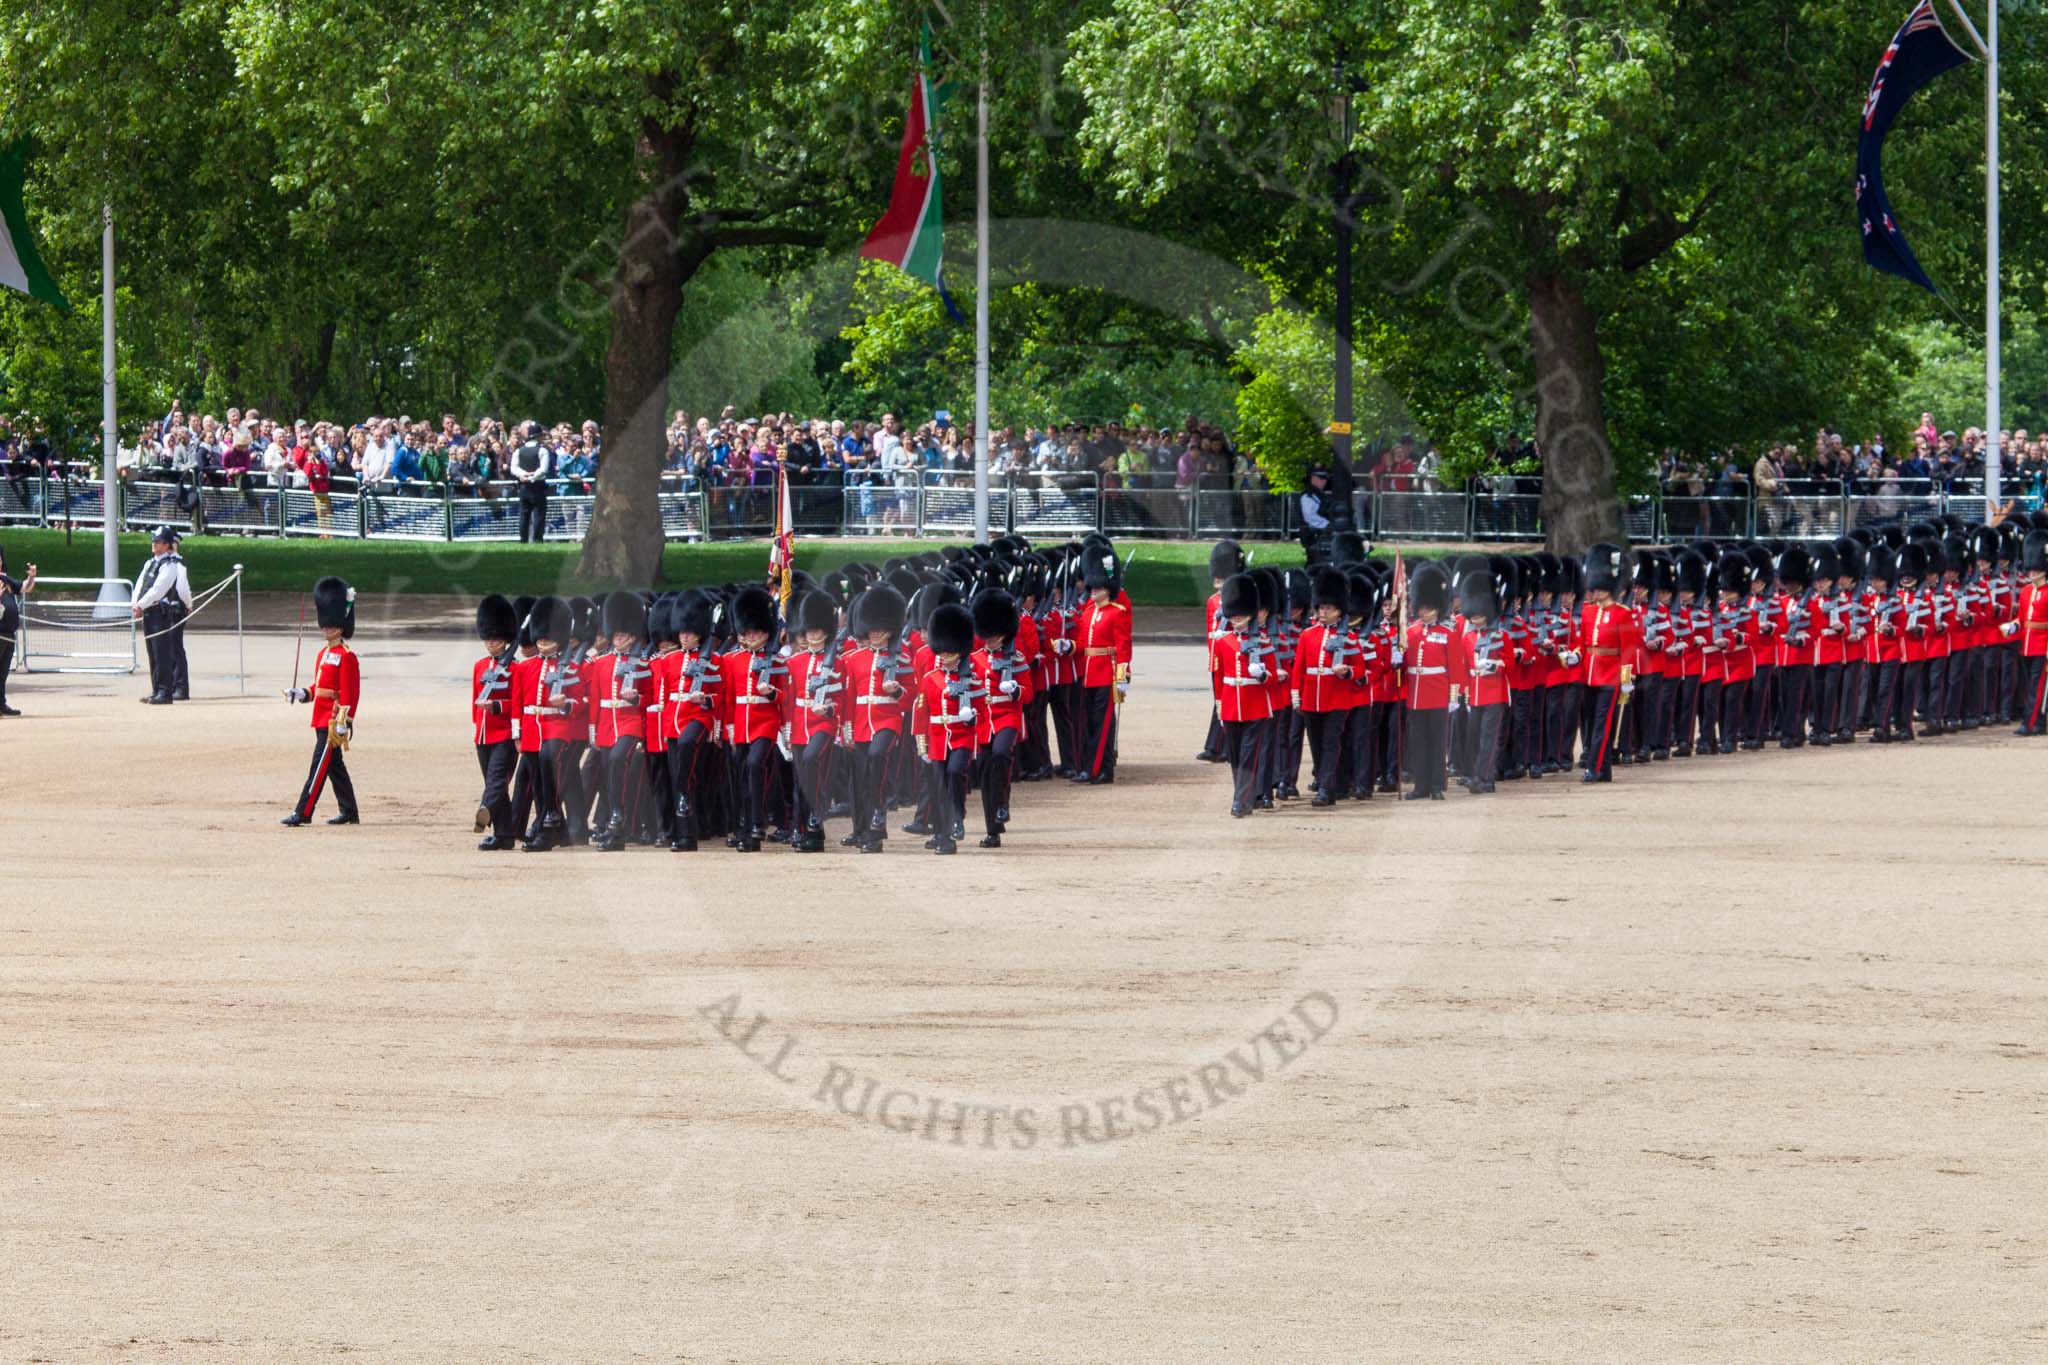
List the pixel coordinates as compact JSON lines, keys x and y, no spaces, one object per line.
{"x":878,"y":699}
{"x":610,"y":705}
{"x":1427,"y":672}
{"x":751,"y":701}
{"x":1326,"y":672}
{"x":530,"y":710}
{"x":956,"y":719}
{"x":1244,"y":682}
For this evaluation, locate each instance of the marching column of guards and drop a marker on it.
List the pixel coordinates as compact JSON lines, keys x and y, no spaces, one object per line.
{"x":721,"y":714}
{"x":1508,"y":668}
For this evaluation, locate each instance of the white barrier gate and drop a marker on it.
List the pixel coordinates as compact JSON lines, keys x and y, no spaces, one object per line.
{"x":78,"y":635}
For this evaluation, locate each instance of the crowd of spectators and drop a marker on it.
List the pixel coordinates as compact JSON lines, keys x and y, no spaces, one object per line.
{"x":888,"y":459}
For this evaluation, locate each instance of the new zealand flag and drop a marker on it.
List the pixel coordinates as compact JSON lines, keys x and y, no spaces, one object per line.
{"x":1920,"y":51}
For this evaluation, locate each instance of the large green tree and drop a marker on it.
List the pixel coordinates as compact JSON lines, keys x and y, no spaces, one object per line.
{"x":1541,"y":181}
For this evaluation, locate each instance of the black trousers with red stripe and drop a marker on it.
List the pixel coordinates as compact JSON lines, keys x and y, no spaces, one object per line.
{"x":329,"y":765}
{"x":1098,"y":751}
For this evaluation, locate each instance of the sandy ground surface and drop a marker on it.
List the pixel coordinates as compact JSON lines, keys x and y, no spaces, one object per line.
{"x":1734,"y":1059}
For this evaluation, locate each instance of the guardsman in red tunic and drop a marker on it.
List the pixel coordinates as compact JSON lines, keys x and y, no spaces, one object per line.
{"x":1565,"y":673}
{"x":1103,"y":643}
{"x":1732,"y":634}
{"x":1006,"y":677}
{"x":337,"y":687}
{"x":1360,"y":762}
{"x":663,"y":672}
{"x":1483,"y":659}
{"x":949,"y":704}
{"x":491,"y":712}
{"x":551,"y":691}
{"x":620,"y":683}
{"x":2030,"y":628}
{"x":750,"y":684}
{"x":1689,"y":627}
{"x":1434,"y":664}
{"x":691,"y":720}
{"x":878,"y":685}
{"x":814,"y":702}
{"x":1033,"y":762}
{"x":1609,"y":639}
{"x":1633,"y":744}
{"x":1329,"y":664}
{"x":1226,"y":557}
{"x":1241,"y":662}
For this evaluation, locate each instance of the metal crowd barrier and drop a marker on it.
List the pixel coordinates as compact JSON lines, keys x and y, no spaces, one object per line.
{"x":941,"y":503}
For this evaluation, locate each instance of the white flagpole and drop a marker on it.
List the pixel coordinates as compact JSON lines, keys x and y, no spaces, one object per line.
{"x":111,"y":593}
{"x":981,"y":417}
{"x":1991,"y":337}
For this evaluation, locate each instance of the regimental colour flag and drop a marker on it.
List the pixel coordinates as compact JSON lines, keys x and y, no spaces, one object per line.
{"x":911,"y":232}
{"x":782,"y":549}
{"x":20,"y":266}
{"x":1920,"y":51}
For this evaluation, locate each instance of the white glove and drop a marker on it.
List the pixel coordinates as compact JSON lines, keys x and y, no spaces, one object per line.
{"x":782,"y":742}
{"x":2009,"y":629}
{"x":966,"y":712}
{"x":1123,"y":692}
{"x":766,"y":690}
{"x":1294,"y":700}
{"x":923,"y":749}
{"x":1628,"y":689}
{"x":1257,"y":670}
{"x":1395,"y":658}
{"x":1063,"y":646}
{"x":1009,"y":687}
{"x":846,"y":735}
{"x":1569,"y":658}
{"x":297,"y":694}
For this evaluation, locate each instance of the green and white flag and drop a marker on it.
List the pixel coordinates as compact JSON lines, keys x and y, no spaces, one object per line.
{"x":20,"y":267}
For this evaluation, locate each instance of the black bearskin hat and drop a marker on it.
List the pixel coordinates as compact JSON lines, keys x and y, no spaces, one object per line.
{"x":1100,"y":567}
{"x":1936,"y":555}
{"x":2034,"y":552}
{"x":1300,"y":592}
{"x":1239,"y":596}
{"x":1429,"y":586}
{"x":1732,"y":573}
{"x":1348,"y":547}
{"x":1477,"y":600}
{"x":1330,"y":588}
{"x":951,"y":630}
{"x":1852,"y":558}
{"x":552,"y":620}
{"x":1603,"y":567}
{"x":1957,"y":548}
{"x":996,"y":617}
{"x":661,"y":619}
{"x":495,"y":619}
{"x":1824,"y":566}
{"x":334,"y":604}
{"x":1881,"y":565}
{"x":817,"y":612}
{"x":693,"y":615}
{"x":624,"y":612}
{"x":1272,"y":590}
{"x":1692,"y":572}
{"x":583,"y":620}
{"x":1913,"y":562}
{"x":1794,"y":567}
{"x":1226,"y":557}
{"x":753,"y":609}
{"x":883,"y":608}
{"x":1362,"y":596}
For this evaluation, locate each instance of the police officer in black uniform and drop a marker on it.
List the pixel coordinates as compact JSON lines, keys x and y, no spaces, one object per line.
{"x":163,"y":599}
{"x":531,"y":463}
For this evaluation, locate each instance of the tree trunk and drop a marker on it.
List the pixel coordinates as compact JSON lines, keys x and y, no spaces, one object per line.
{"x":624,"y":541}
{"x":309,"y":376}
{"x":1579,"y":503}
